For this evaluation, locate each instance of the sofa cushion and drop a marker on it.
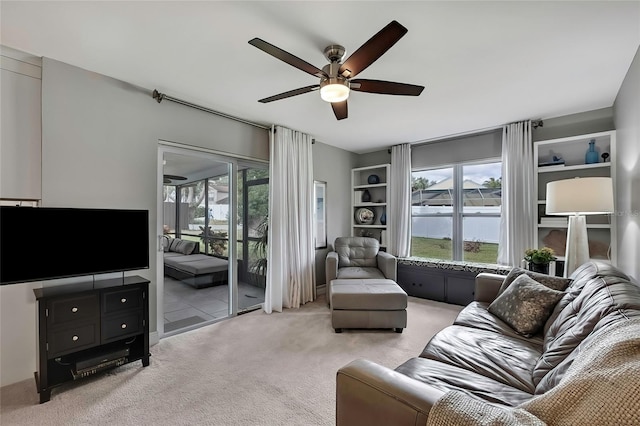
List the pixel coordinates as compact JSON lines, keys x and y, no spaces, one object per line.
{"x":556,"y":283}
{"x":357,"y":251}
{"x":476,"y":315}
{"x":447,"y":377}
{"x":599,"y":295}
{"x":173,"y":244}
{"x":367,"y":295}
{"x":525,"y":305}
{"x":357,"y":272}
{"x":183,"y":246}
{"x":503,"y":359}
{"x":166,"y":243}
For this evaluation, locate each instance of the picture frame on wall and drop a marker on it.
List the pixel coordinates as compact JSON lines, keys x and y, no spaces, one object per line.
{"x":320,"y":214}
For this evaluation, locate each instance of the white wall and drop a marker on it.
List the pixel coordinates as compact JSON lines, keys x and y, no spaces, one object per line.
{"x":20,"y":178}
{"x":333,"y":165}
{"x":99,"y":149}
{"x":627,"y":121}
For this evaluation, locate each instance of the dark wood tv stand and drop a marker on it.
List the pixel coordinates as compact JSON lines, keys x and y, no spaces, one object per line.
{"x":89,"y":327}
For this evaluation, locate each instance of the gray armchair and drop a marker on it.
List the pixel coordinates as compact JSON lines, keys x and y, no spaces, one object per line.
{"x":359,"y":258}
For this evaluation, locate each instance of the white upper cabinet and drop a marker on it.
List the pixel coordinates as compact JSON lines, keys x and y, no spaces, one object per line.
{"x":21,"y":126}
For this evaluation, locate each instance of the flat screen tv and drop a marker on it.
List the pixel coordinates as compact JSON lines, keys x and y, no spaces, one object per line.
{"x":43,"y":243}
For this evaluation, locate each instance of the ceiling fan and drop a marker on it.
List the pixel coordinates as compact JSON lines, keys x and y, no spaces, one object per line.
{"x":170,"y":178}
{"x":336,"y":78}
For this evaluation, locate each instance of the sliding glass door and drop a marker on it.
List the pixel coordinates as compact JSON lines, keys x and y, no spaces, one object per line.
{"x":253,"y":207}
{"x":219,"y":205}
{"x":197,"y":278}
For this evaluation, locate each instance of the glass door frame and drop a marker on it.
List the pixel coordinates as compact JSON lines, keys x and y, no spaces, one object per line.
{"x":171,"y":147}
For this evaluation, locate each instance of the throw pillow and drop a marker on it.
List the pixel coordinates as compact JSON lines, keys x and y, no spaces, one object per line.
{"x":174,"y":244}
{"x":525,"y":305}
{"x":185,"y":247}
{"x":555,"y":283}
{"x":166,"y":242}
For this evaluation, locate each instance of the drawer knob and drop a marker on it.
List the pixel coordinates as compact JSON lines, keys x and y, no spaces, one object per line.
{"x":123,"y":300}
{"x":74,"y":309}
{"x":123,"y":325}
{"x":74,"y":338}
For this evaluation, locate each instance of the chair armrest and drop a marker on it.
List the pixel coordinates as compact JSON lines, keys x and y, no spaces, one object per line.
{"x":487,"y":286}
{"x":388,"y":264}
{"x":331,"y":272}
{"x":371,"y":394}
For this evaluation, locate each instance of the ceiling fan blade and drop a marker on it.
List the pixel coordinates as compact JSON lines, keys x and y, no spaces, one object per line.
{"x":290,"y":93}
{"x":375,"y":47}
{"x":385,"y":87}
{"x":340,"y":109}
{"x":287,"y":57}
{"x":175,"y":177}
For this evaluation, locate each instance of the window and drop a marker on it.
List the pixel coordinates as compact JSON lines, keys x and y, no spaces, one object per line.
{"x":456,"y":212}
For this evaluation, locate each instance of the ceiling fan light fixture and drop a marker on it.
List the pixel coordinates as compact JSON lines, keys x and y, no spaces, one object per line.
{"x":334,"y":89}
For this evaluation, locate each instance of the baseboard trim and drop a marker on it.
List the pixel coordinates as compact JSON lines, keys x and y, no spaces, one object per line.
{"x":154,"y":338}
{"x":321,"y":289}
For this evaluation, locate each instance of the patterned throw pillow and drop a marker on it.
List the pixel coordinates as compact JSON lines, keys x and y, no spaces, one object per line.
{"x":525,"y":305}
{"x":555,"y":283}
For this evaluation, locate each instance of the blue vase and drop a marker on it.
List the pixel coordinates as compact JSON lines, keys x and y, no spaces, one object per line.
{"x":383,"y":218}
{"x":591,"y":156}
{"x":373,"y":179}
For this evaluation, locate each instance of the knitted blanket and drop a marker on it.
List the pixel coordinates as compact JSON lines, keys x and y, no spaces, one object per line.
{"x":601,"y":387}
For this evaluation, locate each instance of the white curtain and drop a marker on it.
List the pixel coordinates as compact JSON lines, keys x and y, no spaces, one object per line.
{"x":290,"y":254}
{"x":400,"y":209}
{"x":518,"y":199}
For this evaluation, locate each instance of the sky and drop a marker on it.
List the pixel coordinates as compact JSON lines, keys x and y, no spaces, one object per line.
{"x":478,"y":173}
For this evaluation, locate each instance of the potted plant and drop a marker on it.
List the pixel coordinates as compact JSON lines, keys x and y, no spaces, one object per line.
{"x":539,"y":259}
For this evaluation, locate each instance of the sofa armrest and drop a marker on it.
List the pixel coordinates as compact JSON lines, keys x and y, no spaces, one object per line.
{"x":388,"y":264}
{"x":371,"y":394}
{"x":331,"y":266}
{"x":487,"y":286}
{"x":331,"y":272}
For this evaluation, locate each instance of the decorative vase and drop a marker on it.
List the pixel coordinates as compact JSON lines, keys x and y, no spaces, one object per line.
{"x":373,"y":179}
{"x":591,"y":156}
{"x":383,"y":218}
{"x":542,"y":268}
{"x":366,"y":196}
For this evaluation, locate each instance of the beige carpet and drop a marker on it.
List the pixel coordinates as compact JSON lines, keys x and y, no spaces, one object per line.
{"x":256,"y":369}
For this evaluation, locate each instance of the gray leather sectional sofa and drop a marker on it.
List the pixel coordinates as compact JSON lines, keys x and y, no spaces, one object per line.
{"x":483,"y":357}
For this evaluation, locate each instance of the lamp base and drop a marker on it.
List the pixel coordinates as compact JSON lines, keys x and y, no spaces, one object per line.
{"x":577,"y":249}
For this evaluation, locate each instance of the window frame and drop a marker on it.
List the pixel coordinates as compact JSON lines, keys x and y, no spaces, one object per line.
{"x":457,"y":204}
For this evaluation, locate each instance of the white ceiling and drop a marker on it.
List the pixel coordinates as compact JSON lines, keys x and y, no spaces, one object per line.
{"x":483,"y":64}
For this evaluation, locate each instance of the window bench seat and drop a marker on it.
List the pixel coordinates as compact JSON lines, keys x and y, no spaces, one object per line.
{"x":446,"y":281}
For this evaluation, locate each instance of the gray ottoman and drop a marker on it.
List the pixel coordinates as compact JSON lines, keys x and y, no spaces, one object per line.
{"x":367,"y":303}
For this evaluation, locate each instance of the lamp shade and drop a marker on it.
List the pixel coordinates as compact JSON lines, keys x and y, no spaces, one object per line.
{"x":334,"y":89}
{"x":580,"y":196}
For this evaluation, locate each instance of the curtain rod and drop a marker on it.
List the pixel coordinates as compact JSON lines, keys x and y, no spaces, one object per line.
{"x":161,"y":96}
{"x":534,"y":125}
{"x":274,"y":129}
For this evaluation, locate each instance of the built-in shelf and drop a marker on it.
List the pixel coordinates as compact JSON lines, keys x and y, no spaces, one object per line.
{"x":368,"y":186}
{"x":572,"y":150}
{"x":589,"y":226}
{"x":369,"y":204}
{"x":378,"y":191}
{"x":549,"y":169}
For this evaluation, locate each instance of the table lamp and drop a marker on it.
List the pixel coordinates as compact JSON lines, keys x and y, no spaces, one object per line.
{"x":576,"y":198}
